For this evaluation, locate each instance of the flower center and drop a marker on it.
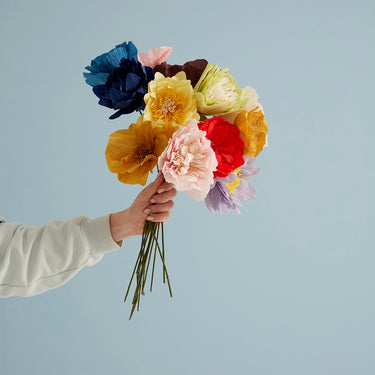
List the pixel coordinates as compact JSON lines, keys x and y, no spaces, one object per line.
{"x":141,"y":152}
{"x":168,"y":106}
{"x":234,"y":185}
{"x":223,"y":91}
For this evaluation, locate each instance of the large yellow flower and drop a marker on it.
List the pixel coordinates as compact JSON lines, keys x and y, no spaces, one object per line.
{"x":133,"y":153}
{"x":253,"y":131}
{"x":170,"y":100}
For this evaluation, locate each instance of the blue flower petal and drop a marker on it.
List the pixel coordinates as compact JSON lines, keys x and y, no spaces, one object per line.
{"x":123,"y":104}
{"x":96,"y":79}
{"x":100,"y":64}
{"x":106,"y":103}
{"x":119,"y":113}
{"x":131,"y":50}
{"x":122,"y":51}
{"x":120,"y":99}
{"x":132,"y":81}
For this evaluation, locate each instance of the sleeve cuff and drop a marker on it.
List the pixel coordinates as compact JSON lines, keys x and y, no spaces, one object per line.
{"x":98,"y":235}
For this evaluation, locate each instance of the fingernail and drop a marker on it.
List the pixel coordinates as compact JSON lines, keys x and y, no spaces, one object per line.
{"x":150,"y":218}
{"x":146,"y":210}
{"x":152,"y":200}
{"x":160,"y":190}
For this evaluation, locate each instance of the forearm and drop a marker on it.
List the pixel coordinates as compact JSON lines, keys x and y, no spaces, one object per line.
{"x":35,"y":259}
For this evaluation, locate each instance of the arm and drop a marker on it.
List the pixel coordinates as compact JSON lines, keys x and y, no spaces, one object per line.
{"x":36,"y":259}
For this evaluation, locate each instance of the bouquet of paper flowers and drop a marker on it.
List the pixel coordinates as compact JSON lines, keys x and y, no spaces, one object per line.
{"x":195,"y":125}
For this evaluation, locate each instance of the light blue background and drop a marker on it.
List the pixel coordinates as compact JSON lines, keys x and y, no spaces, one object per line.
{"x":287,"y":287}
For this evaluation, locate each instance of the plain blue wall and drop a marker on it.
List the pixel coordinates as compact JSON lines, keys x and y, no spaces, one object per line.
{"x":287,"y":287}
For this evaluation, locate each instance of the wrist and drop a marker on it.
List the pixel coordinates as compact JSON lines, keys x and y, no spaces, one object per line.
{"x":120,"y":225}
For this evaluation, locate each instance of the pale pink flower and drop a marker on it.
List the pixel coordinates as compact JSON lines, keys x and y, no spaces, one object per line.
{"x":188,"y":161}
{"x":154,"y":56}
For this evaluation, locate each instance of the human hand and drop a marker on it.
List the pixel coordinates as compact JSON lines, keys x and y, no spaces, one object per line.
{"x":153,"y":203}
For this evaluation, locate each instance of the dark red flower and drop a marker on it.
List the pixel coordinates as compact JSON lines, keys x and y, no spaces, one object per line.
{"x":226,"y":142}
{"x":192,"y":69}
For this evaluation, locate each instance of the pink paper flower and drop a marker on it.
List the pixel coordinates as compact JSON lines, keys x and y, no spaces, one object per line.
{"x":154,"y":56}
{"x":188,"y":161}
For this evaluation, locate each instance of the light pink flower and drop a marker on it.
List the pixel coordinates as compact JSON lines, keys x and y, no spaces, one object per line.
{"x":188,"y":161}
{"x":154,"y":56}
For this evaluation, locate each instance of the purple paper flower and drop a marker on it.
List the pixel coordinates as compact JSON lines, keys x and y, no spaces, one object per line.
{"x":228,"y":192}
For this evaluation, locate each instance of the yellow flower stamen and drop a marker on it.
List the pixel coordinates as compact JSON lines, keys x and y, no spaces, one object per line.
{"x":168,"y":106}
{"x":234,"y":185}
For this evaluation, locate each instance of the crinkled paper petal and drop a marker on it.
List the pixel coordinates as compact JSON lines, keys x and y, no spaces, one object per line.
{"x":154,"y":56}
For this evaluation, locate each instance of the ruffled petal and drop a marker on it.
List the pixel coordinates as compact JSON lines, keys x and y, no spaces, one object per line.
{"x":154,"y":56}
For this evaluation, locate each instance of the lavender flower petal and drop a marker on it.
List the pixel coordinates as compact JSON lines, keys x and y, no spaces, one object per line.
{"x":220,"y":198}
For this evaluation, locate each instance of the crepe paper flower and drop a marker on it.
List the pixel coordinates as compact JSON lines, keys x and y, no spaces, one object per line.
{"x":154,"y":56}
{"x":246,"y":171}
{"x":252,"y":102}
{"x":253,"y":131}
{"x":193,"y":69}
{"x":102,"y":66}
{"x":228,"y":192}
{"x":188,"y":161}
{"x":119,"y":80}
{"x":133,"y":153}
{"x":170,"y":100}
{"x":125,"y":87}
{"x":226,"y":142}
{"x":217,"y":92}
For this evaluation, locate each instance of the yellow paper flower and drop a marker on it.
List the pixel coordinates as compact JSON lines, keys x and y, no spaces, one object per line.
{"x":253,"y":131}
{"x":170,"y":100}
{"x":133,"y":153}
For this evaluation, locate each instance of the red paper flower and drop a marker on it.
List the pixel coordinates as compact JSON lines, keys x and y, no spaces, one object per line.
{"x":226,"y":142}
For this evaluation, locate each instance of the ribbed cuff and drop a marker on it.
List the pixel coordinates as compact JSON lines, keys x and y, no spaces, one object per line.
{"x":98,"y":235}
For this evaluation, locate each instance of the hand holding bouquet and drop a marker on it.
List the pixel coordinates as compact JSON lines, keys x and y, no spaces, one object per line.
{"x":196,"y":125}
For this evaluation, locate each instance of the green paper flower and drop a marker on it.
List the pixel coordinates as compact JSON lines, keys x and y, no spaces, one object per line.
{"x":217,"y":92}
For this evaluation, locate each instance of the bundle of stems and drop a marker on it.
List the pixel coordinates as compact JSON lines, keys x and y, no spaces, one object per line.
{"x":149,"y":247}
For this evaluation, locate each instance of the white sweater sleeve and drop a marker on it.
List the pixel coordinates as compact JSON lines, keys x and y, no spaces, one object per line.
{"x":36,"y":259}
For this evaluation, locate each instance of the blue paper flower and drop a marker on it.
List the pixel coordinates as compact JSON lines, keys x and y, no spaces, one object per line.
{"x":119,"y":80}
{"x":102,"y":66}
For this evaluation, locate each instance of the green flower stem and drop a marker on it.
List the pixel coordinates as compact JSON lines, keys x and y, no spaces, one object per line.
{"x":153,"y":269}
{"x":149,"y":247}
{"x":162,"y":244}
{"x":164,"y":267}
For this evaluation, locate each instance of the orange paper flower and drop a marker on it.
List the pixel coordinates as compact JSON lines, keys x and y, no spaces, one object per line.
{"x":133,"y":153}
{"x":253,"y":131}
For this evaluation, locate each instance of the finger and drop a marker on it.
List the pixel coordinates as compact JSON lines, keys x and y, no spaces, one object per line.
{"x":164,"y":197}
{"x":152,"y":188}
{"x":165,"y":186}
{"x":160,"y":217}
{"x":158,"y":181}
{"x":159,"y":208}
